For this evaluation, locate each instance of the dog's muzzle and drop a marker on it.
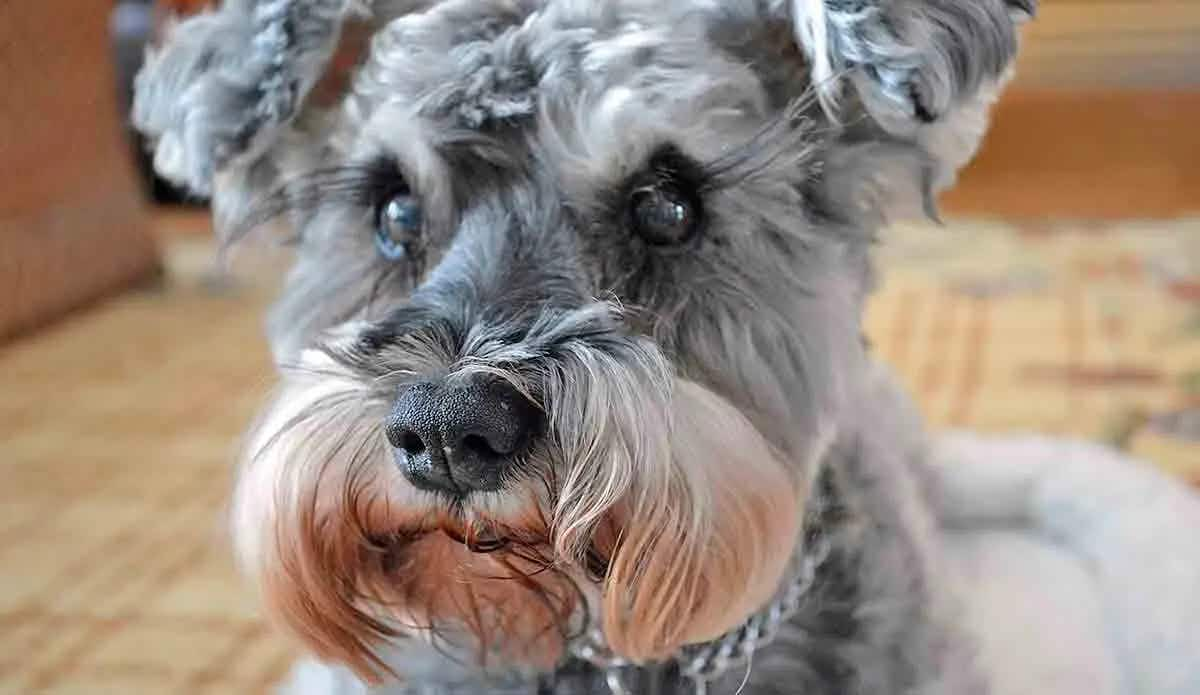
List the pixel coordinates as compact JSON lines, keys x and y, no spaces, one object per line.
{"x":457,"y":438}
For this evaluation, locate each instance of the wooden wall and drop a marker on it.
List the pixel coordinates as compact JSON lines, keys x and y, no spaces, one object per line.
{"x":73,"y":225}
{"x":1101,"y":121}
{"x":1113,"y":44}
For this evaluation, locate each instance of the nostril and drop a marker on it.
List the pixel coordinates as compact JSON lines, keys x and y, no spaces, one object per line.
{"x":479,"y":445}
{"x":412,"y":443}
{"x":460,"y":436}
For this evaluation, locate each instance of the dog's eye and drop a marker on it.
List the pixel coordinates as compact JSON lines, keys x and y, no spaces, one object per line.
{"x":398,"y":228}
{"x":663,"y":214}
{"x":664,"y":200}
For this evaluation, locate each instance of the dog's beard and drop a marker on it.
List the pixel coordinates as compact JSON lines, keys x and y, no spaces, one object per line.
{"x":652,"y":506}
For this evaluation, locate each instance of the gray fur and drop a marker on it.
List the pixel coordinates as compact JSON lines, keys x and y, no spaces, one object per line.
{"x":229,"y":81}
{"x":517,"y":123}
{"x":912,"y":59}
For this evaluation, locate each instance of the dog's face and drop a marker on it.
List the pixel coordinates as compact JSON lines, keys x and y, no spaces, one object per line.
{"x":574,"y":316}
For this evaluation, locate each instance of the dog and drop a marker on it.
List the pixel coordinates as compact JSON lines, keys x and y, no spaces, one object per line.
{"x":574,"y":397}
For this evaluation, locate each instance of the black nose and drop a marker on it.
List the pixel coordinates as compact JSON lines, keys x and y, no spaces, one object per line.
{"x":460,"y":438}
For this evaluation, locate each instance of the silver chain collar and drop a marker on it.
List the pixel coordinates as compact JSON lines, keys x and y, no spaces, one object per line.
{"x":704,"y":663}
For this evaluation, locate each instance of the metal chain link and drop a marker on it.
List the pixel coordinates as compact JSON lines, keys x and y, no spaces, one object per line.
{"x":703,"y":664}
{"x":594,"y":650}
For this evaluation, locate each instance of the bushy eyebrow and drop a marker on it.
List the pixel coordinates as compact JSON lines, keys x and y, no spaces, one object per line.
{"x":363,"y":185}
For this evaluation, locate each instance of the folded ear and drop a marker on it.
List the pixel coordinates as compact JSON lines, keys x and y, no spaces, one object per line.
{"x":905,"y":87}
{"x":227,"y":85}
{"x":910,"y":61}
{"x":915,"y":74}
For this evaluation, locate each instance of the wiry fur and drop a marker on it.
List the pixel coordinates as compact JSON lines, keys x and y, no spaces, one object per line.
{"x":709,"y":409}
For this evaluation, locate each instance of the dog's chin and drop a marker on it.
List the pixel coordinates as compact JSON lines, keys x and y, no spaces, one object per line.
{"x":492,"y":590}
{"x":663,"y":516}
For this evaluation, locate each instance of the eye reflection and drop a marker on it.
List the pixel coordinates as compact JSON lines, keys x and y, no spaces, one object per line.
{"x":398,"y":228}
{"x":662,"y":214}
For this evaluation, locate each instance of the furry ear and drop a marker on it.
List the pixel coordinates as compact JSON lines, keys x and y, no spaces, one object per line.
{"x":910,"y":61}
{"x":227,"y":85}
{"x":704,"y":546}
{"x":915,"y":75}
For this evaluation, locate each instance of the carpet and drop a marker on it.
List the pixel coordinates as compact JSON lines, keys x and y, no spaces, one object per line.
{"x":118,"y":426}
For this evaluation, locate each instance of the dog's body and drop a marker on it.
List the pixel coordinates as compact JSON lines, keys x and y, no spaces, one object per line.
{"x":574,"y":396}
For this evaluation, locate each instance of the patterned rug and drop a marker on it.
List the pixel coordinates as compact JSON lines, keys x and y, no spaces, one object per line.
{"x":1080,"y":329}
{"x":117,"y":427}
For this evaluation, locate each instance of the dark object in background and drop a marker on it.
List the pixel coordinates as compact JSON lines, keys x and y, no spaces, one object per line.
{"x":131,"y":29}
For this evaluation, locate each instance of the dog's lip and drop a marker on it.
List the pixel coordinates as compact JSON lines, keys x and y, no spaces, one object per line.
{"x":488,"y":545}
{"x":478,"y":543}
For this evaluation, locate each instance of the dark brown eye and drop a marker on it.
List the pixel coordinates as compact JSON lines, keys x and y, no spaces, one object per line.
{"x":663,"y":214}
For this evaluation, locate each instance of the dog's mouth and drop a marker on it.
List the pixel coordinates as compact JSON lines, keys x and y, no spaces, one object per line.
{"x":498,"y":540}
{"x":477,"y":539}
{"x":484,"y":541}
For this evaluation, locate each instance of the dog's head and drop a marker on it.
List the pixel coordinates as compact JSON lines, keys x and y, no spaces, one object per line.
{"x":575,"y":310}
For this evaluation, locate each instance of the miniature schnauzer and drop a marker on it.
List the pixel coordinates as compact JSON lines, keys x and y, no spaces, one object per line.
{"x":574,"y":397}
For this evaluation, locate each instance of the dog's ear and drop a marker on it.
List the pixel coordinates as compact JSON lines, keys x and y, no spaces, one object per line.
{"x":227,"y":86}
{"x":916,"y":73}
{"x":909,"y":62}
{"x":925,"y":72}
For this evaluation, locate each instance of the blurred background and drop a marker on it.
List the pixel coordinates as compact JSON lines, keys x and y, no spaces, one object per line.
{"x":1062,"y":296}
